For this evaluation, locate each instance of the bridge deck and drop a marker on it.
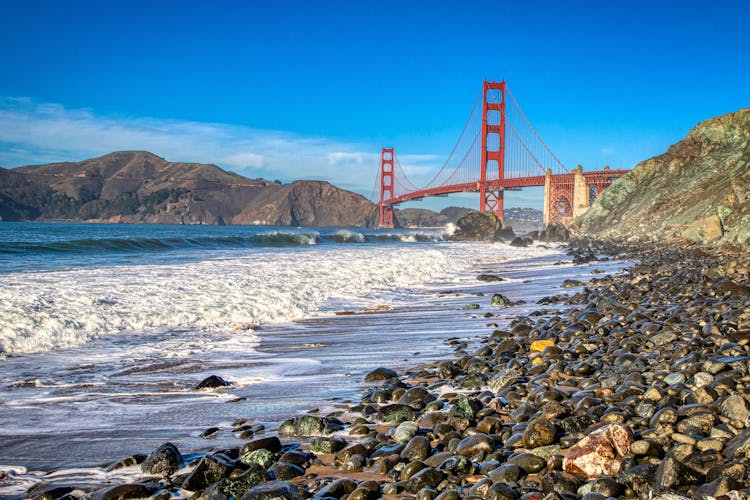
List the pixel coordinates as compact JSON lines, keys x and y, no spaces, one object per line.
{"x":510,"y":183}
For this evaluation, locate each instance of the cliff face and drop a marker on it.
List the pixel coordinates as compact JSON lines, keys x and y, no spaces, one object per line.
{"x":699,"y":189}
{"x":140,"y":187}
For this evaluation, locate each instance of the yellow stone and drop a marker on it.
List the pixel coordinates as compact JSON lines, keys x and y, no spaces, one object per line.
{"x":539,"y":345}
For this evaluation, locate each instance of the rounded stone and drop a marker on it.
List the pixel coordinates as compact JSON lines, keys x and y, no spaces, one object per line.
{"x":164,"y":461}
{"x":380,"y":374}
{"x":530,"y":463}
{"x":283,"y":471}
{"x":539,"y":433}
{"x":322,"y":444}
{"x":472,"y":445}
{"x":405,"y":431}
{"x":418,"y":448}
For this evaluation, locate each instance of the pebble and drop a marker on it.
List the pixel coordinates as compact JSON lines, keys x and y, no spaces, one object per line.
{"x":637,"y":385}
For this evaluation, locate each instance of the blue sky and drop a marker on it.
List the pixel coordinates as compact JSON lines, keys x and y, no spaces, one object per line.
{"x":313,"y":89}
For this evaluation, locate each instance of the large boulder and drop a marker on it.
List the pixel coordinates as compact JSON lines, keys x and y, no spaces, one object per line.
{"x":600,"y":453}
{"x":476,"y":226}
{"x":704,"y":230}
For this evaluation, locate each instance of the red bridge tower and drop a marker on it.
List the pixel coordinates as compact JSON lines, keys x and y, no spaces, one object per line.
{"x":493,"y":148}
{"x":386,"y":187}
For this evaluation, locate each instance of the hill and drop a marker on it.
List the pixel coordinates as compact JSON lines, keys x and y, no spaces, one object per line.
{"x":521,"y":219}
{"x":140,"y":187}
{"x":699,"y":189}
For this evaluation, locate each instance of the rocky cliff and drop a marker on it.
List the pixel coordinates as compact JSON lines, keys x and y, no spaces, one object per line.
{"x":140,"y":187}
{"x":698,"y":190}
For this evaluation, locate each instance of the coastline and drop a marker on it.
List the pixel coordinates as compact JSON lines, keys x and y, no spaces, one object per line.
{"x":507,"y":416}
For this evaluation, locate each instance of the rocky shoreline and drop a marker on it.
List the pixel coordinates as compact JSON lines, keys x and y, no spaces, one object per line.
{"x":631,"y":386}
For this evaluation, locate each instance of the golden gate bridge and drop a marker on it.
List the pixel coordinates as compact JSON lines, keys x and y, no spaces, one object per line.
{"x":498,"y":150}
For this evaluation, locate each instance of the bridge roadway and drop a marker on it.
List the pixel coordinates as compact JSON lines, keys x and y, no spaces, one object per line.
{"x":593,"y":178}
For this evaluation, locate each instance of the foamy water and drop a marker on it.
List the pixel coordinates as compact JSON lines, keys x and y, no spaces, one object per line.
{"x":61,"y":309}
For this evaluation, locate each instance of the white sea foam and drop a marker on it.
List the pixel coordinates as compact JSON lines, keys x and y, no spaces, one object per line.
{"x":52,"y":310}
{"x":349,"y":236}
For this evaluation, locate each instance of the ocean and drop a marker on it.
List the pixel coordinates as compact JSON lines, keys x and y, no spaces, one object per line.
{"x":106,"y":330}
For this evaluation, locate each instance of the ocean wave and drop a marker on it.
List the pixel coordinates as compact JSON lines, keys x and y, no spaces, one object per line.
{"x":58,"y":309}
{"x":128,"y":245}
{"x":93,"y":245}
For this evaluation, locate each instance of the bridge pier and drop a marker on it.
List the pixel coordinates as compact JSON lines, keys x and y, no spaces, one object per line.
{"x":581,"y":200}
{"x":492,"y":201}
{"x":547,"y":210}
{"x":567,"y":196}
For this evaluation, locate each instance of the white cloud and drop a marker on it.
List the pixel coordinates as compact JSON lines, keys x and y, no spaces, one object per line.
{"x":343,"y":158}
{"x":33,"y":132}
{"x":244,"y":160}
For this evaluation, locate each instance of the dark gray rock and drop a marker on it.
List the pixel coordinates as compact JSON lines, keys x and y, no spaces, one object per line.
{"x":43,"y":491}
{"x":490,"y":278}
{"x":213,"y":382}
{"x":337,"y":488}
{"x":164,"y":461}
{"x":528,"y":462}
{"x":284,"y":471}
{"x":426,"y":478}
{"x":136,"y":459}
{"x":297,"y":457}
{"x":380,"y":374}
{"x":473,"y":445}
{"x":500,"y":300}
{"x":309,"y":426}
{"x":240,"y":482}
{"x":261,"y":457}
{"x":559,"y":482}
{"x":539,"y":432}
{"x":506,"y":473}
{"x":396,"y":413}
{"x":273,"y":490}
{"x":418,"y":448}
{"x":323,"y":444}
{"x":120,"y":492}
{"x":466,"y":408}
{"x":209,"y":470}
{"x":270,"y":443}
